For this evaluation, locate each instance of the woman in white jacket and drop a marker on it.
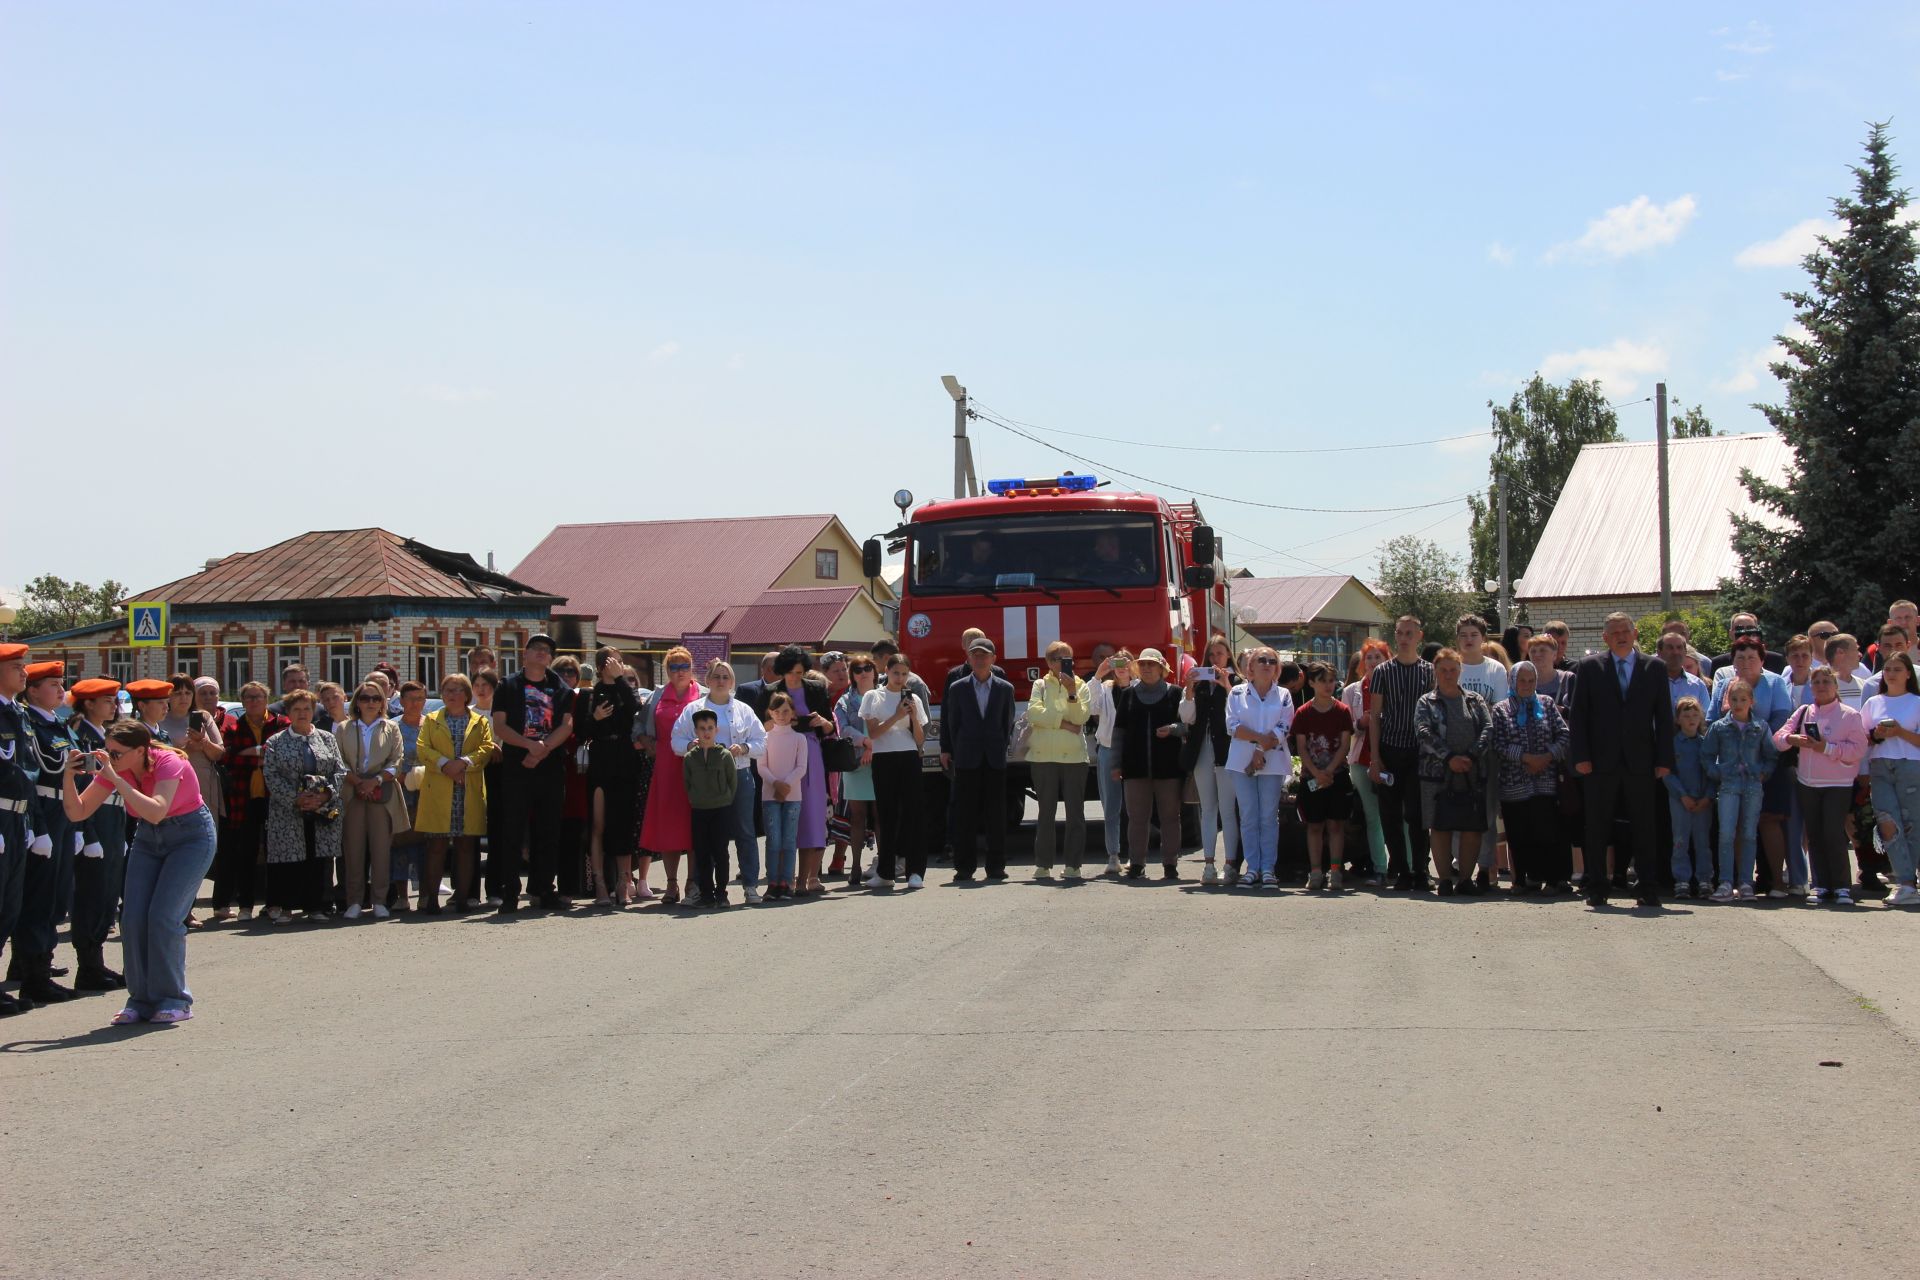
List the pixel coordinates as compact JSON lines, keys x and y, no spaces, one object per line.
{"x":739,"y":730}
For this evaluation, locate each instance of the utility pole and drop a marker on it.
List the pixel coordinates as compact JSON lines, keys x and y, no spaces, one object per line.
{"x":964,"y":484}
{"x":1506,"y":580}
{"x":1666,"y":552}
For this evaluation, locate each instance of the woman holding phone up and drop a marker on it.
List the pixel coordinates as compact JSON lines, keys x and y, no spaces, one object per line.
{"x":1204,"y":709}
{"x":1057,"y":755}
{"x":172,"y":850}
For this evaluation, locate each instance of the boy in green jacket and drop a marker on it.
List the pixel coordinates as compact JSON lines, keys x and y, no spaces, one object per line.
{"x":711,"y":779}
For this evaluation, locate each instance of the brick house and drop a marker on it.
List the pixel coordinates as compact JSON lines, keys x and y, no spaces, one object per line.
{"x":337,"y":602}
{"x":1600,"y":551}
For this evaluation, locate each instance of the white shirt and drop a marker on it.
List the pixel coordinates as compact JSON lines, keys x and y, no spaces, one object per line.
{"x":1273,"y":714}
{"x":1355,"y":695}
{"x":366,"y":728}
{"x":1906,"y":710}
{"x":878,"y":704}
{"x":1486,"y":678}
{"x":1103,"y":707}
{"x":734,"y":721}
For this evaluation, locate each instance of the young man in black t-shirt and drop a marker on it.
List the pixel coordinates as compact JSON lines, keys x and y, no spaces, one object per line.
{"x":532,"y":719}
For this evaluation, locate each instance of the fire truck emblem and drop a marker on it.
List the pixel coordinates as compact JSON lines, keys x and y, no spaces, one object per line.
{"x":919,"y":626}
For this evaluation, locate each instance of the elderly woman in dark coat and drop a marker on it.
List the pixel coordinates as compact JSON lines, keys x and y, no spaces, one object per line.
{"x":304,"y":775}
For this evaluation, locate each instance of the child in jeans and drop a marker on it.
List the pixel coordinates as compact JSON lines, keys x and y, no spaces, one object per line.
{"x":1740,"y":756}
{"x":711,"y":781}
{"x":781,"y":771}
{"x":1690,"y":801}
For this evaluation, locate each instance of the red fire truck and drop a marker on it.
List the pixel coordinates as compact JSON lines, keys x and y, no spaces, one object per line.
{"x":1060,"y":558}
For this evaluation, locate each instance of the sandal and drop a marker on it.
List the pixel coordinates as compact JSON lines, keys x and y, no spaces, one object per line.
{"x":126,"y":1016}
{"x":672,"y":895}
{"x":170,"y":1016}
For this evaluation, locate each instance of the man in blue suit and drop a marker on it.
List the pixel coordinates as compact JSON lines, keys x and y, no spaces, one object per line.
{"x":976,"y":725}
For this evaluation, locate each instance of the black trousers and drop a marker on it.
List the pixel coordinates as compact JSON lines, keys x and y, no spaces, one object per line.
{"x":237,"y":856}
{"x":13,"y":870}
{"x":1406,"y":825}
{"x":38,"y":925}
{"x":979,"y":804}
{"x":97,"y":882}
{"x":1608,"y":795}
{"x":712,"y":830}
{"x":304,"y":885}
{"x":1533,"y":841}
{"x":530,"y":807}
{"x":896,"y":794}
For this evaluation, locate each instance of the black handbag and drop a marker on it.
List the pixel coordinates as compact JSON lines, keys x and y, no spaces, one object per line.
{"x":840,"y":755}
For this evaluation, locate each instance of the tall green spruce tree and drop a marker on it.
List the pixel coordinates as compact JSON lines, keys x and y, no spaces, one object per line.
{"x":1852,"y":418}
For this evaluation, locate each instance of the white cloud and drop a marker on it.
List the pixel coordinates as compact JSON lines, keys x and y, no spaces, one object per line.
{"x":1789,"y":247}
{"x":663,"y":353}
{"x":1757,"y":368}
{"x":456,"y":395}
{"x":1631,"y":228}
{"x":1618,"y":367}
{"x":1753,"y":39}
{"x":1728,"y":77}
{"x":1497,"y":252}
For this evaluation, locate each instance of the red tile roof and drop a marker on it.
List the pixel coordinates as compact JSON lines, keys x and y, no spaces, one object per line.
{"x":659,"y":579}
{"x":341,"y":564}
{"x":798,"y":615}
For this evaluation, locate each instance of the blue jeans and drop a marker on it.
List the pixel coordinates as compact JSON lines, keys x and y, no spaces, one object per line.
{"x":1896,"y":799}
{"x":1113,"y":799}
{"x":1258,"y":795}
{"x":1692,"y":842}
{"x":1739,"y":805}
{"x":783,"y":839}
{"x":746,"y":842}
{"x":1217,"y":803}
{"x":164,"y":869}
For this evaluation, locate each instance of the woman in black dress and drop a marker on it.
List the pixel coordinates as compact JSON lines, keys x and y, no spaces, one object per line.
{"x":603,"y":721}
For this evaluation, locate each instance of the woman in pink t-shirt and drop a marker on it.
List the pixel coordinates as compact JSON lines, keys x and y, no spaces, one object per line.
{"x":172,"y":850}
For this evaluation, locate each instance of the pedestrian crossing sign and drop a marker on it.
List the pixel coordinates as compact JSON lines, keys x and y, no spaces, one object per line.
{"x":147,"y":624}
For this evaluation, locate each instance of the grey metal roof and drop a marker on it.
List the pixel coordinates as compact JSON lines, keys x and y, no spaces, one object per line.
{"x":1603,"y":536}
{"x":1287,"y":601}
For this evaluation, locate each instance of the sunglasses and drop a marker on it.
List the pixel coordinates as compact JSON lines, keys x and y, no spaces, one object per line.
{"x":370,"y":697}
{"x":1266,"y":662}
{"x":121,"y":754}
{"x":1824,"y":635}
{"x":679,"y":666}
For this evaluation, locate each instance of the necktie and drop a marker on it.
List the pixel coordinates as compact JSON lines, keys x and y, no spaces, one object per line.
{"x":1623,"y":670}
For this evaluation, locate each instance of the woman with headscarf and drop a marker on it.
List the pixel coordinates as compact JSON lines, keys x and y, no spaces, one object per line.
{"x":1530,"y":739}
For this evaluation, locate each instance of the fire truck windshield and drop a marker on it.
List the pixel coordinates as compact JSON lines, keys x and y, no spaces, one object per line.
{"x":1063,"y":549}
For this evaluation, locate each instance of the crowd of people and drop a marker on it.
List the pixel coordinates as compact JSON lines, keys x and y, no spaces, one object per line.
{"x":1429,"y":767}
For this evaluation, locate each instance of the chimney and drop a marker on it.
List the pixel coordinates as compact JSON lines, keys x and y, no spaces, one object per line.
{"x":489,"y":562}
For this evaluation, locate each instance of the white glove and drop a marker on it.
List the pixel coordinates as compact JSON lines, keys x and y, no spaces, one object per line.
{"x":92,"y":851}
{"x":42,"y":847}
{"x":79,"y":839}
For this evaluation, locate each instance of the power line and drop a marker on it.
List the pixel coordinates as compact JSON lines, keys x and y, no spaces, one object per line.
{"x":1002,"y":420}
{"x":1215,"y":497}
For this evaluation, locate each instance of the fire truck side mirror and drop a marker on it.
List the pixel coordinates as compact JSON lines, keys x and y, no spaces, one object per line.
{"x":1199,"y":577}
{"x":1203,"y":548}
{"x":870,"y":558}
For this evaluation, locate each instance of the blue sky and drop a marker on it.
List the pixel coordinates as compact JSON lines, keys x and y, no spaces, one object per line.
{"x":468,"y":271}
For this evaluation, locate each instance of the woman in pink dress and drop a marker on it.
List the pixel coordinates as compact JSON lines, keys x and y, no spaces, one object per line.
{"x":667,"y":830}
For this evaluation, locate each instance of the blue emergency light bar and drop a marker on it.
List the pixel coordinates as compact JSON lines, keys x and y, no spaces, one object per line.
{"x":1066,"y":483}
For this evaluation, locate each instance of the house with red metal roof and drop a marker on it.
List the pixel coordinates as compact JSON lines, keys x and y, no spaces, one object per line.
{"x":337,"y":602}
{"x":1324,"y":616}
{"x":764,"y":581}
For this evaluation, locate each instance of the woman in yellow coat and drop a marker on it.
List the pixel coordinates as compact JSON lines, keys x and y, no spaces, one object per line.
{"x":456,"y":745}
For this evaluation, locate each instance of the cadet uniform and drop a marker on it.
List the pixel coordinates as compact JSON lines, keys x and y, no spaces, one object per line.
{"x":49,"y":852}
{"x":101,"y":869}
{"x":19,"y":767}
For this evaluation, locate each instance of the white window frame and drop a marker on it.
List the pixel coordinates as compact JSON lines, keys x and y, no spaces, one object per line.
{"x":120,"y":665}
{"x":335,"y":643}
{"x":506,"y":654}
{"x":237,"y":666}
{"x":186,"y":660}
{"x":426,"y":661}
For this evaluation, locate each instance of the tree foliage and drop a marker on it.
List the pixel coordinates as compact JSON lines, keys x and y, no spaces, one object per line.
{"x":54,"y":604}
{"x":1539,"y":433}
{"x":1418,"y":577}
{"x":1690,"y":424}
{"x":1709,"y":627}
{"x":1852,"y":418}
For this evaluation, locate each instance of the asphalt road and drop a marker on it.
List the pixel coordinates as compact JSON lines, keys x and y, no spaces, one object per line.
{"x":1015,"y":1080}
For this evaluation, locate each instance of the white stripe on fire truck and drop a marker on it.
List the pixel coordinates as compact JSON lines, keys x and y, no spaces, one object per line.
{"x":1013,"y":626}
{"x":1046,"y":627}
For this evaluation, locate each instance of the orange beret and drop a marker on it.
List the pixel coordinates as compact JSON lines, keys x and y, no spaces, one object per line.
{"x":12,"y":652}
{"x":96,"y":687}
{"x":146,"y":690}
{"x":45,"y":671}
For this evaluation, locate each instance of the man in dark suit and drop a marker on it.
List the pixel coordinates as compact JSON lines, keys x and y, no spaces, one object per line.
{"x":976,"y":725}
{"x":1622,"y":723}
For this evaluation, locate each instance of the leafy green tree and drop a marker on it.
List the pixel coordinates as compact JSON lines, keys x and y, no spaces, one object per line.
{"x":1690,"y":424}
{"x":1852,"y":419}
{"x":1708,"y":625}
{"x":1418,"y":577}
{"x":54,"y":604}
{"x":1539,"y":433}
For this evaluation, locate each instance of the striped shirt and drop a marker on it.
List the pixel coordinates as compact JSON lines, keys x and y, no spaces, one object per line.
{"x":1396,"y":688}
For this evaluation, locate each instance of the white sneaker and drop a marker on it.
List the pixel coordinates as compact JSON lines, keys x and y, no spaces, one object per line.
{"x":1843,"y":898}
{"x":1071,"y":872}
{"x":1747,"y":894}
{"x":753,"y":895}
{"x":873,"y":881}
{"x":1903,"y":895}
{"x":915,"y":882}
{"x":1043,"y":873}
{"x":1269,"y":881}
{"x":353,"y":912}
{"x":246,"y":913}
{"x":380,"y":911}
{"x":1210,"y":875}
{"x":1723,"y":893}
{"x":1113,"y":865}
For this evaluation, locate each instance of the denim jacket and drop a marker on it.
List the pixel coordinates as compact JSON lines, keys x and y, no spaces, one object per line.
{"x":1689,"y":777}
{"x":1739,"y":755}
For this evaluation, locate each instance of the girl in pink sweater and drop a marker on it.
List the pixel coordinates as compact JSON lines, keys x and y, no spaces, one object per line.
{"x":781,"y":771}
{"x":1832,"y":739}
